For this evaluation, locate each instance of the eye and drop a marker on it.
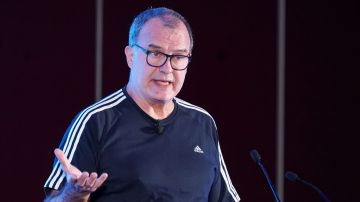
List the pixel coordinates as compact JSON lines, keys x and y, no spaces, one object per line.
{"x":179,"y":57}
{"x":155,"y":54}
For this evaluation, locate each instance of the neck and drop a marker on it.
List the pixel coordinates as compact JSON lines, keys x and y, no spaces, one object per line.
{"x":154,"y":108}
{"x":159,"y":111}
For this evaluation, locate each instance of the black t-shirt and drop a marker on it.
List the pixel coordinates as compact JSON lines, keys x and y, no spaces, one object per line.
{"x":174,"y":159}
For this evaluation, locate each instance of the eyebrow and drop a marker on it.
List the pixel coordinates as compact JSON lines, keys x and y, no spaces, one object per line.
{"x":160,"y":48}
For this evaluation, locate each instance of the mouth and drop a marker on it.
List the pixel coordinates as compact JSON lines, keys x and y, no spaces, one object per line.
{"x":163,"y":82}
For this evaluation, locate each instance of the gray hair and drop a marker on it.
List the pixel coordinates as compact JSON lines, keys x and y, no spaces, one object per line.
{"x":169,"y":17}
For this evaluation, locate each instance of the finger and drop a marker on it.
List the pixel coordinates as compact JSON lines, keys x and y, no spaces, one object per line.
{"x":81,"y":180}
{"x":65,"y":163}
{"x":91,"y":180}
{"x":99,"y":181}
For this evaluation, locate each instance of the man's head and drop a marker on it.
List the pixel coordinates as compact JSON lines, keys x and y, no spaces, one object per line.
{"x":169,"y":17}
{"x":159,"y":50}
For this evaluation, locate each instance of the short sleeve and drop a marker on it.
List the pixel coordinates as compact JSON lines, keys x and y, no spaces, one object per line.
{"x":79,"y":145}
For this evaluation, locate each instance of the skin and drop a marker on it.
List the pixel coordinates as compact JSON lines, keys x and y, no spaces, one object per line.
{"x":79,"y":184}
{"x":152,"y":88}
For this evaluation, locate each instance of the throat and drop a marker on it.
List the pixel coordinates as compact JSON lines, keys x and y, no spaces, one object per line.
{"x":157,"y":109}
{"x":160,"y":112}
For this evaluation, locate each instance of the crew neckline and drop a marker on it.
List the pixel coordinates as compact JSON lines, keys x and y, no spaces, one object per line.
{"x":164,"y":121}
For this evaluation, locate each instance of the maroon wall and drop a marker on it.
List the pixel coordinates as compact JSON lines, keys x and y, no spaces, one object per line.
{"x":322,"y":98}
{"x":47,"y":63}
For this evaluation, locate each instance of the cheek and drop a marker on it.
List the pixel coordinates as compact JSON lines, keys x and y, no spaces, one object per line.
{"x":141,"y":72}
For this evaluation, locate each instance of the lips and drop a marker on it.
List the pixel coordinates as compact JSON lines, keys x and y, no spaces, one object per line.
{"x":162,"y":82}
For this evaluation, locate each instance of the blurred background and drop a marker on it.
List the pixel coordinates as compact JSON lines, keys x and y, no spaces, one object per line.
{"x":47,"y":51}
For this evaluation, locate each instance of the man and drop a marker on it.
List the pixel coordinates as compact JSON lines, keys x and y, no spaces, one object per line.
{"x":142,"y":143}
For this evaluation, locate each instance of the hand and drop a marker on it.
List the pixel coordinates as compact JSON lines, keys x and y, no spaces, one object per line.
{"x":79,"y":184}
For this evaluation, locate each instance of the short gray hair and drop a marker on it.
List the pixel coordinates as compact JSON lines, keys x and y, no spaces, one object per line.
{"x":169,"y":17}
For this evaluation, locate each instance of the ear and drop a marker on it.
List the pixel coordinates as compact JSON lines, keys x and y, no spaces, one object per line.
{"x":129,"y":56}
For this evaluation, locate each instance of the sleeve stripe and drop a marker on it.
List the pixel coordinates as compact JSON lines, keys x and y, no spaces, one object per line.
{"x":81,"y":130}
{"x":57,"y":176}
{"x":226,"y":177}
{"x":223,"y":169}
{"x":191,"y":106}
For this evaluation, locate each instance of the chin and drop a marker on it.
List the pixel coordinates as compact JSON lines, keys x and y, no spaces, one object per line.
{"x":163,"y":98}
{"x":164,"y":94}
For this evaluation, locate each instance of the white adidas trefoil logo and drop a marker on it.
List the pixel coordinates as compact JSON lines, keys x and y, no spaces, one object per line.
{"x":197,"y":149}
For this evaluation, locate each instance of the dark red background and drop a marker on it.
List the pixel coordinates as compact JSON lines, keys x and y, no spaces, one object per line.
{"x":47,"y":76}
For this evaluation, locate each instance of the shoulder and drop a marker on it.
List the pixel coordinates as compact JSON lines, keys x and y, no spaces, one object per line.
{"x":194,"y":110}
{"x":107,"y":104}
{"x":102,"y":110}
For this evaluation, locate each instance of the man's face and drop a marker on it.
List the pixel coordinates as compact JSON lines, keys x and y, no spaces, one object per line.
{"x":157,"y":84}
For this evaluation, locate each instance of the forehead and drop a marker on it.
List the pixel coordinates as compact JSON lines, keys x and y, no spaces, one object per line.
{"x":156,"y":32}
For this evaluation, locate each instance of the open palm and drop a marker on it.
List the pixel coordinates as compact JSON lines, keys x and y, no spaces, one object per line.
{"x":79,"y":181}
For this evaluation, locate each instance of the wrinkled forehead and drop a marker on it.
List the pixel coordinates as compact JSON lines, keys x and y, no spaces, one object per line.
{"x":166,"y":21}
{"x":165,"y":33}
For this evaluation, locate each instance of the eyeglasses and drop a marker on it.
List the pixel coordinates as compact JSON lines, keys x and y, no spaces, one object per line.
{"x":158,"y":59}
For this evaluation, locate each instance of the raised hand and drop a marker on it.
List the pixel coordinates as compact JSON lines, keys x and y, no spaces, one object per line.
{"x":79,"y":184}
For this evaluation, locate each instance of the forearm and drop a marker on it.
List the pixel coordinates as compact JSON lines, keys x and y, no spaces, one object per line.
{"x":67,"y":195}
{"x":62,"y":198}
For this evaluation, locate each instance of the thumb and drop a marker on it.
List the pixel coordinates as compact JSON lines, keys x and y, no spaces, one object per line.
{"x":72,"y":173}
{"x":65,"y":163}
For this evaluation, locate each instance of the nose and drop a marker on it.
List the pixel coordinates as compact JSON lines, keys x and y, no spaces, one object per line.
{"x":166,"y":68}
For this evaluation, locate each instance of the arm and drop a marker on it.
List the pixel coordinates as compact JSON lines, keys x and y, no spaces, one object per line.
{"x":222,"y":188}
{"x":64,"y":195}
{"x":79,"y":185}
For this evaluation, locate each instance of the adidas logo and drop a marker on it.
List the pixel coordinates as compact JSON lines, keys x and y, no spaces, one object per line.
{"x":197,"y":149}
